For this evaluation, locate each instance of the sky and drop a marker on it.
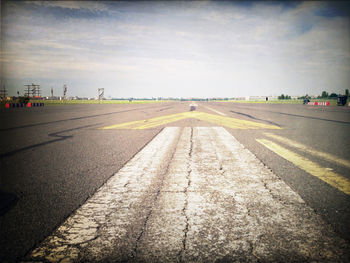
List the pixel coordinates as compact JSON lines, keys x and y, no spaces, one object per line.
{"x":176,"y":49}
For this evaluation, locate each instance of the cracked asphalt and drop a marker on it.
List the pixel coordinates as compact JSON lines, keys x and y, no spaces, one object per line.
{"x":194,"y":195}
{"x":73,"y":192}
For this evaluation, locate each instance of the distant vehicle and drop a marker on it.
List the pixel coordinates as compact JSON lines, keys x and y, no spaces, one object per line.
{"x":193,"y":106}
{"x":306,"y":101}
{"x":342,"y":100}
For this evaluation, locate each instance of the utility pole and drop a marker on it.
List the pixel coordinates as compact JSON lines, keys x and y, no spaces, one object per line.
{"x":64,"y":91}
{"x":36,"y":92}
{"x":51,"y":93}
{"x":33,"y":90}
{"x":3,"y":93}
{"x":27,"y":91}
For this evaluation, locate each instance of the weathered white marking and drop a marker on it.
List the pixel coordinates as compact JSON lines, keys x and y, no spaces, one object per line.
{"x":206,"y":199}
{"x":108,"y":225}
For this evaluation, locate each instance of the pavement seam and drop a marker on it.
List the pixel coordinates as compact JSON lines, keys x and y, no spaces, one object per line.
{"x":185,"y":191}
{"x":255,"y":118}
{"x":222,"y":170}
{"x":54,"y":134}
{"x":72,"y":119}
{"x":162,"y":178}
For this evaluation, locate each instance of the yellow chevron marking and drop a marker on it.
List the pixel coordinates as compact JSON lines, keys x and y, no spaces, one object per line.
{"x":309,"y":150}
{"x":329,"y":177}
{"x":216,"y":119}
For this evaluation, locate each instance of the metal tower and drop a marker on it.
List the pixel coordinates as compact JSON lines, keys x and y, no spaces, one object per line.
{"x":101,"y":92}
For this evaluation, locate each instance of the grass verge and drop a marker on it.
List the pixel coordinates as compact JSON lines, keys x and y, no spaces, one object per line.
{"x":332,"y":102}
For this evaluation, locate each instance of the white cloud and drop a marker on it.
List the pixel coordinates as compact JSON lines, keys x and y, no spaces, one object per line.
{"x":88,"y":5}
{"x":204,"y":48}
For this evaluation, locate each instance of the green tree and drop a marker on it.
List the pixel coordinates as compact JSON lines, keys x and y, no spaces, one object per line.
{"x":333,"y":95}
{"x":347,"y":92}
{"x":324,"y":94}
{"x":284,"y":97}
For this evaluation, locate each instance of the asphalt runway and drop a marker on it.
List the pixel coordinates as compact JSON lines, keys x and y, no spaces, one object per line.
{"x":54,"y":158}
{"x":324,"y":129}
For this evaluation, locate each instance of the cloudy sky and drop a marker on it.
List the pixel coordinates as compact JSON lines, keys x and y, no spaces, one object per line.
{"x":176,"y":49}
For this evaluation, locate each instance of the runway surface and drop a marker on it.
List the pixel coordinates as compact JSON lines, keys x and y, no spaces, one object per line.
{"x":54,"y":160}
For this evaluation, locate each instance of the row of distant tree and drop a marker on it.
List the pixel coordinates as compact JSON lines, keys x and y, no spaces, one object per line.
{"x":324,"y":95}
{"x":284,"y":97}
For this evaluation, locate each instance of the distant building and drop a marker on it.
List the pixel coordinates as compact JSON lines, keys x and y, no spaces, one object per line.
{"x":256,"y":98}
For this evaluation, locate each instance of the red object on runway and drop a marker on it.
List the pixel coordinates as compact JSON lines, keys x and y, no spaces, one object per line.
{"x":322,"y":103}
{"x":29,"y":104}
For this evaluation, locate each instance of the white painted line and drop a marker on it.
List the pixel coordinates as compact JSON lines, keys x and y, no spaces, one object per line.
{"x":194,"y":196}
{"x":217,"y":112}
{"x":113,"y":217}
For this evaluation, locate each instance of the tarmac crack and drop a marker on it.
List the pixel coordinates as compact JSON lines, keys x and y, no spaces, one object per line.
{"x":162,"y":179}
{"x":274,"y":196}
{"x":185,"y":191}
{"x":255,"y":118}
{"x":252,"y":245}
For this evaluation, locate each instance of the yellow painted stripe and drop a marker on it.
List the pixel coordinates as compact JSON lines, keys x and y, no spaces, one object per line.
{"x":331,"y":178}
{"x":148,"y":123}
{"x":125,"y":125}
{"x":158,"y":121}
{"x":232,"y":122}
{"x":309,"y":150}
{"x":216,"y":119}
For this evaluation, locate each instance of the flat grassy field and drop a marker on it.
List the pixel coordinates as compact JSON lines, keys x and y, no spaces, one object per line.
{"x":70,"y":102}
{"x":73,"y":102}
{"x":332,"y":102}
{"x":77,"y":102}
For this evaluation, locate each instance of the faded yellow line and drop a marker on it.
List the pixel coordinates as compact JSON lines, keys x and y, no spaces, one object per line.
{"x":309,"y":150}
{"x":216,"y":119}
{"x":233,"y":122}
{"x":125,"y":125}
{"x":147,"y":123}
{"x":331,"y":178}
{"x":158,"y":121}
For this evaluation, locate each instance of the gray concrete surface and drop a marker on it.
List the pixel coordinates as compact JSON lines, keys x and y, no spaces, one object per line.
{"x":325,"y":129}
{"x":194,"y":195}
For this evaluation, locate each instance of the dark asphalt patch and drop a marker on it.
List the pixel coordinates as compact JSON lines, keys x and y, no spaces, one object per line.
{"x":7,"y":201}
{"x":254,"y":118}
{"x":56,"y":135}
{"x":296,"y":115}
{"x":309,"y":117}
{"x":166,"y":108}
{"x":71,"y":119}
